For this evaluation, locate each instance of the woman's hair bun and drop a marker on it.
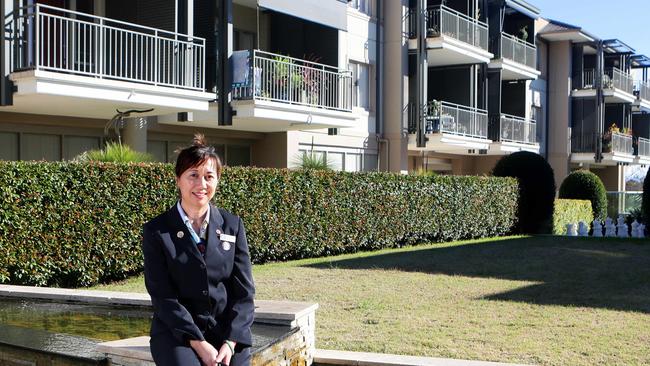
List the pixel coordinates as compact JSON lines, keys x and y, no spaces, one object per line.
{"x":199,"y":140}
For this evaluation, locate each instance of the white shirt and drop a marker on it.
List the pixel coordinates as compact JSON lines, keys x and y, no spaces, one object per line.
{"x":188,"y":222}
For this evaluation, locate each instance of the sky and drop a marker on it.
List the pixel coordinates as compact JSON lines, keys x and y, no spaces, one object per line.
{"x":627,"y":20}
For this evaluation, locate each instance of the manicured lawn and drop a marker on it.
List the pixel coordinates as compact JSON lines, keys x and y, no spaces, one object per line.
{"x":537,"y":300}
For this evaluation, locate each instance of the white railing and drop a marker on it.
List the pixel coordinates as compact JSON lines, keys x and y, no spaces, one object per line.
{"x":445,"y":117}
{"x":43,"y":37}
{"x":442,"y":20}
{"x":520,"y":51}
{"x":622,"y":143}
{"x":643,"y":89}
{"x":517,"y":129}
{"x":643,"y":147}
{"x":588,"y":79}
{"x":268,"y":76}
{"x":612,"y":78}
{"x":619,"y":80}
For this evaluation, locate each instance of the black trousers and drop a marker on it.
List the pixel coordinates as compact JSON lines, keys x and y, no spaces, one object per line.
{"x":168,"y":351}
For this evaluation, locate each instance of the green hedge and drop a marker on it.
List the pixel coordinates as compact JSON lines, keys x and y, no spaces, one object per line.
{"x":585,"y":185}
{"x":536,"y":190}
{"x":79,"y":224}
{"x":570,"y":211}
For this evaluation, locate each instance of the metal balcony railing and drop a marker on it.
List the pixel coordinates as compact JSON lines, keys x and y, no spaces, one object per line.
{"x":613,"y":78}
{"x":43,"y":37}
{"x":619,"y":80}
{"x":642,"y":89}
{"x":612,"y":142}
{"x":268,"y":76}
{"x":517,"y":129}
{"x":445,"y":117}
{"x":520,"y":51}
{"x":442,"y":20}
{"x":643,"y":147}
{"x":620,"y":143}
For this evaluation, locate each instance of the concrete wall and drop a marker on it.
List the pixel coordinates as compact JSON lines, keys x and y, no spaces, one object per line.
{"x":612,"y":177}
{"x":452,"y":164}
{"x":271,"y":151}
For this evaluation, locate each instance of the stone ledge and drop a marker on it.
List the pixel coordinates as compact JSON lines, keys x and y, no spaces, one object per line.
{"x":133,"y":348}
{"x":332,"y":357}
{"x":266,"y":311}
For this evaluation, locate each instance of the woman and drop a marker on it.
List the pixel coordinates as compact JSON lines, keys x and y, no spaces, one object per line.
{"x":198,"y":272}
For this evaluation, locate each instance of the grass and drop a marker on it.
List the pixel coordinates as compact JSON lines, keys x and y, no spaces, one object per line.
{"x":535,"y":300}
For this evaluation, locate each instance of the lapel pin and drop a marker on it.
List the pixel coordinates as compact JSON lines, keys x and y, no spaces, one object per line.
{"x":218,"y":232}
{"x":180,"y":234}
{"x":226,"y":245}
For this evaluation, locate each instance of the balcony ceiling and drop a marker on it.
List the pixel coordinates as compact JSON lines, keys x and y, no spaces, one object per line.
{"x":266,"y":117}
{"x":513,"y":70}
{"x":446,"y":51}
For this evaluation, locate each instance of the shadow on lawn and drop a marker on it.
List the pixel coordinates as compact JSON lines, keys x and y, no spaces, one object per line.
{"x":589,"y":272}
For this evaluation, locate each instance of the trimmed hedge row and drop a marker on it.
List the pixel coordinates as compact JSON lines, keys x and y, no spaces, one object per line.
{"x":570,"y":211}
{"x":79,"y":224}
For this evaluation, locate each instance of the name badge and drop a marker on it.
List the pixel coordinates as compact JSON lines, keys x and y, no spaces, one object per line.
{"x":226,"y":237}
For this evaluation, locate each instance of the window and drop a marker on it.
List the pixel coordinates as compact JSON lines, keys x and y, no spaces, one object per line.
{"x":75,"y":145}
{"x":8,"y":146}
{"x":336,"y":159}
{"x":363,"y":6}
{"x":40,"y":147}
{"x":238,"y":155}
{"x":352,"y":162}
{"x":157,"y":149}
{"x":360,"y":85}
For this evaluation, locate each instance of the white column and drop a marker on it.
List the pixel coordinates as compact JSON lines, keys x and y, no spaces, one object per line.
{"x":134,"y":133}
{"x":395,"y":79}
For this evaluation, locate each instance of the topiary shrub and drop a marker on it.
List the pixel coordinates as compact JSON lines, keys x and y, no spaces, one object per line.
{"x":585,"y":185}
{"x":570,"y":212}
{"x":536,"y":190}
{"x":645,"y":203}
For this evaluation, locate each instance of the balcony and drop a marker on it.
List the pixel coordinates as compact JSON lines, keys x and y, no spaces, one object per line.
{"x":642,"y":151}
{"x":452,"y":128}
{"x":76,"y":64}
{"x":618,"y":86}
{"x":518,"y":59}
{"x":273,"y":93}
{"x":642,"y":91}
{"x":516,"y":134}
{"x":617,"y":148}
{"x":453,"y":38}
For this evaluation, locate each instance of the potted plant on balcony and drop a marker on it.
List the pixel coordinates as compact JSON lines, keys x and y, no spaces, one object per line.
{"x":607,"y":137}
{"x":432,"y":113}
{"x":287,"y":78}
{"x":523,"y":33}
{"x":311,"y":82}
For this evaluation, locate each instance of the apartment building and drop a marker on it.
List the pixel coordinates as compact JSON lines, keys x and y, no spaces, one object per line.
{"x":598,"y":114}
{"x":471,"y":92}
{"x":294,"y":76}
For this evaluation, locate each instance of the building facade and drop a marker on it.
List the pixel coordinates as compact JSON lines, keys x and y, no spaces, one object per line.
{"x":447,"y":86}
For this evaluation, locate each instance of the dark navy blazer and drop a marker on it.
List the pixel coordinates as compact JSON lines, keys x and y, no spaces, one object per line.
{"x":192,"y":295}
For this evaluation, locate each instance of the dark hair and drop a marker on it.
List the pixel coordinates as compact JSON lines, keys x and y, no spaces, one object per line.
{"x":196,"y":154}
